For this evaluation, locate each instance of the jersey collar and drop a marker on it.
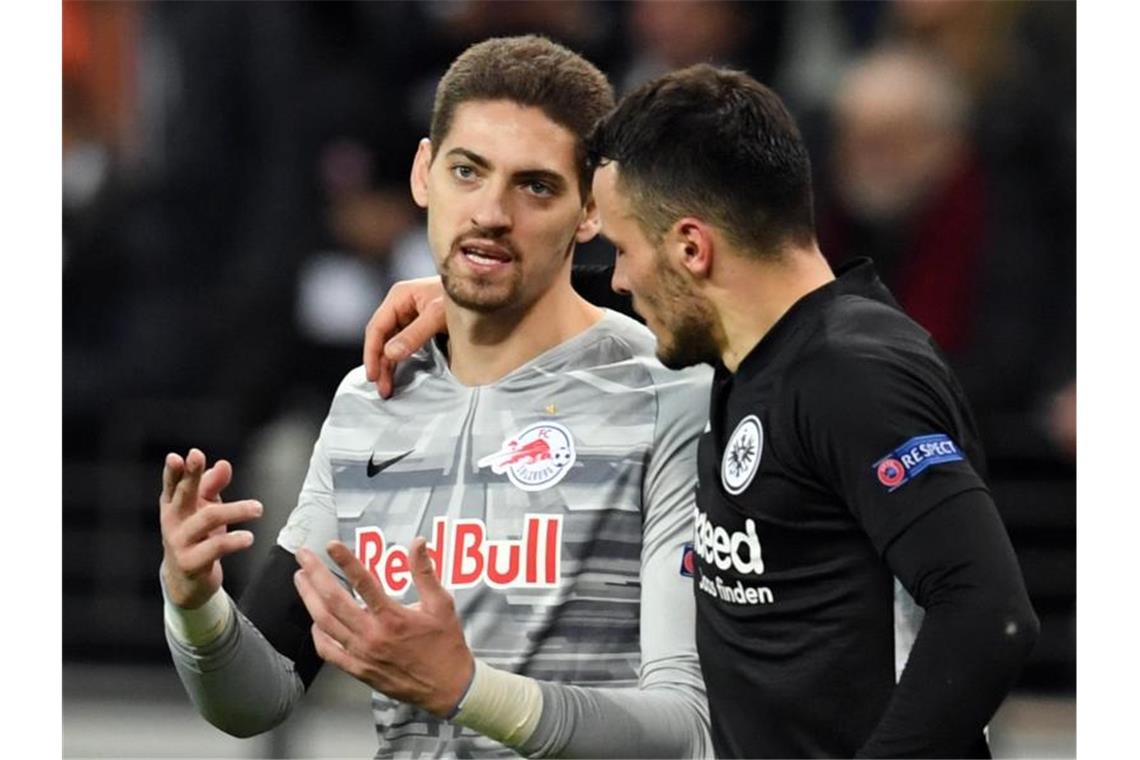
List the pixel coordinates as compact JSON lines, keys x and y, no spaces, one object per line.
{"x":855,"y":277}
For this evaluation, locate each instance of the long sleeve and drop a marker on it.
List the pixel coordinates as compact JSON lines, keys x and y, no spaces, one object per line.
{"x":238,"y":682}
{"x":248,"y":679}
{"x":666,"y":715}
{"x":977,"y":630}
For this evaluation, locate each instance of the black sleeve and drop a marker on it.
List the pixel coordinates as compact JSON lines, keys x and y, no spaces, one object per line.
{"x":885,"y":431}
{"x":958,"y":564}
{"x":592,"y":281}
{"x":271,"y":603}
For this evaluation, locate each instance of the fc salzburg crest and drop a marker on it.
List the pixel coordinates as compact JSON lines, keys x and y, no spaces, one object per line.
{"x":536,"y":458}
{"x":742,"y":455}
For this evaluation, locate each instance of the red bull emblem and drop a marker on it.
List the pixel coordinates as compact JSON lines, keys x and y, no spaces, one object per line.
{"x":536,"y":458}
{"x":464,"y":555}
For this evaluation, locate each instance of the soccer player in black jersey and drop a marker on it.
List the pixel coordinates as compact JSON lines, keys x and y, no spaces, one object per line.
{"x":857,"y":593}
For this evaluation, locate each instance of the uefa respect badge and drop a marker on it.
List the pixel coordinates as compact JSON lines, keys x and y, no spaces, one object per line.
{"x":914,"y":457}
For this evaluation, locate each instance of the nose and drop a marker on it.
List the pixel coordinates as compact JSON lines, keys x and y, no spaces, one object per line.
{"x":491,"y":213}
{"x":619,"y":282}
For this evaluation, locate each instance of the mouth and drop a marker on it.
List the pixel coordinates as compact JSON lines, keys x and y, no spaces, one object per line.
{"x":484,"y":254}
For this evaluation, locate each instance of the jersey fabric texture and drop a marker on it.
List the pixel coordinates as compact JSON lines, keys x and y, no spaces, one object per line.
{"x":841,"y":428}
{"x":557,"y":503}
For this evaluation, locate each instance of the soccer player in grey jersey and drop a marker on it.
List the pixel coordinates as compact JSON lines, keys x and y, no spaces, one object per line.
{"x":532,"y":478}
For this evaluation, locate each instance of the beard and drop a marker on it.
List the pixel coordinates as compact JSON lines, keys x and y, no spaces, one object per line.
{"x":688,"y":321}
{"x":479,"y":293}
{"x":689,"y":342}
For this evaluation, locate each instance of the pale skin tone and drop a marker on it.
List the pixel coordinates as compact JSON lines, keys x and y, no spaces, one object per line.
{"x":504,"y":212}
{"x":747,"y":294}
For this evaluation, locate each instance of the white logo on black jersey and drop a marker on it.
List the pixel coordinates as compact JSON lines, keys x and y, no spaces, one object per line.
{"x":742,"y":455}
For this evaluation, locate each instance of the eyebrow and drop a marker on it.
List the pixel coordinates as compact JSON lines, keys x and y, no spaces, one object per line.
{"x":549,"y":176}
{"x":474,"y":158}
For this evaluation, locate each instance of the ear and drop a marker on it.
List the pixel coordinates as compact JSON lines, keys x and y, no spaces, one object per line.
{"x":421,"y":165}
{"x":694,"y":245}
{"x":590,"y":222}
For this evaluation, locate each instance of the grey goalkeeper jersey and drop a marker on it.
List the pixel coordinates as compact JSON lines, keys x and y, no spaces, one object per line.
{"x":557,"y":504}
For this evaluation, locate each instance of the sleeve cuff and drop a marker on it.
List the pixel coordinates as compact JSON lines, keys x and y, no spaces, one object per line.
{"x":501,"y":705}
{"x":200,"y":626}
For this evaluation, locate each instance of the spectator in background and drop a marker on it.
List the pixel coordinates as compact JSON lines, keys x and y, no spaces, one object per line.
{"x":1017,"y":61}
{"x":370,"y":238}
{"x":965,"y":256}
{"x":909,"y":188}
{"x":668,"y":36}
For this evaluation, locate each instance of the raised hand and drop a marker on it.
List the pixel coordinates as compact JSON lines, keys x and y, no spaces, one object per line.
{"x":414,"y":653}
{"x":194,"y":521}
{"x":406,"y":319}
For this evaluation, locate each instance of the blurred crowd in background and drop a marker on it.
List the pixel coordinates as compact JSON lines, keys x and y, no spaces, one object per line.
{"x":235,"y":205}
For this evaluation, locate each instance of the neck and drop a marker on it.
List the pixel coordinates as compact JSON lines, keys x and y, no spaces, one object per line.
{"x":750,"y":295}
{"x":483,"y":348}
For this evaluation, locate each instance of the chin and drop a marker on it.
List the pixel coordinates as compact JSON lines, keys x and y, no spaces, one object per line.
{"x":673,"y":358}
{"x":686,"y":346}
{"x":479,"y":298}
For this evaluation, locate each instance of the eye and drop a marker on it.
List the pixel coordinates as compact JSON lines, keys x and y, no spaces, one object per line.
{"x":463,"y":172}
{"x":539,"y":188}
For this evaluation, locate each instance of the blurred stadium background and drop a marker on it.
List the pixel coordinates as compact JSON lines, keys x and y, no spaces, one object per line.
{"x":235,"y":205}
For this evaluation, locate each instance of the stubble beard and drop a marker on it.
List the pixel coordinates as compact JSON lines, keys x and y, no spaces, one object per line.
{"x":689,"y":322}
{"x":689,"y":342}
{"x":481,"y":294}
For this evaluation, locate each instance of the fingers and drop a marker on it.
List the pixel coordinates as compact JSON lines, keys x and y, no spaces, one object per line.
{"x":185,"y":497}
{"x":200,"y":557}
{"x":172,"y":470}
{"x":210,"y":518}
{"x":397,"y":309}
{"x":332,"y":652}
{"x":387,"y":369}
{"x":215,"y":480}
{"x":424,"y":324}
{"x":328,"y":603}
{"x":362,"y":581}
{"x":433,"y":596}
{"x":411,"y":313}
{"x":428,"y":321}
{"x":376,"y":331}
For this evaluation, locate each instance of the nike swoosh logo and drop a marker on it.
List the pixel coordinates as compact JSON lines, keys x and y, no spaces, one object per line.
{"x":375,"y":468}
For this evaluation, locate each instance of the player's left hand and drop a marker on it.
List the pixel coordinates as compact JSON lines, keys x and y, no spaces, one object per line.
{"x":415,"y":653}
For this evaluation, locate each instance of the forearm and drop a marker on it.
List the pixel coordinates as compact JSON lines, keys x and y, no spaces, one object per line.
{"x":666,"y":716}
{"x":978,"y":630}
{"x":238,"y":682}
{"x":669,"y":720}
{"x":962,"y":665}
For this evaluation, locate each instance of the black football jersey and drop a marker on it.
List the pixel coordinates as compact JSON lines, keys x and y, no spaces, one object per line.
{"x":840,"y":428}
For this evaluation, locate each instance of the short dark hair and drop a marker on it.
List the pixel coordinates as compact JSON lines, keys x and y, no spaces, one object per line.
{"x":714,"y":143}
{"x":532,"y":71}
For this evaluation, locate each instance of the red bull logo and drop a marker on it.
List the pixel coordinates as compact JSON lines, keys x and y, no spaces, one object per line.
{"x":534,"y":459}
{"x":464,"y":556}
